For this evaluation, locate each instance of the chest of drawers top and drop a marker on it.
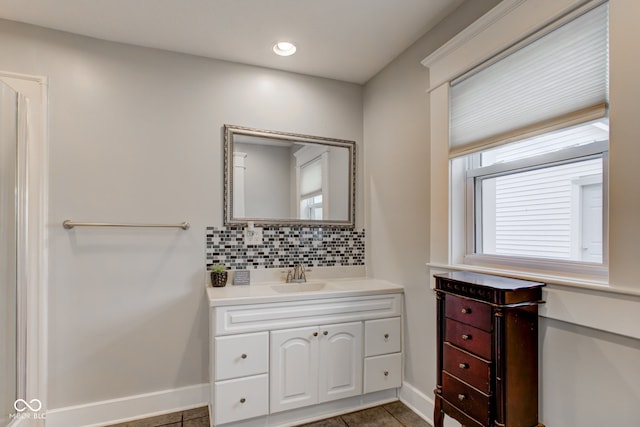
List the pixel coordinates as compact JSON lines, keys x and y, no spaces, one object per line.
{"x":494,"y":290}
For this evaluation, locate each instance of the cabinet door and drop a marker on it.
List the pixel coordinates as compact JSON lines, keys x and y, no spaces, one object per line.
{"x":294,"y":368}
{"x":340,"y":361}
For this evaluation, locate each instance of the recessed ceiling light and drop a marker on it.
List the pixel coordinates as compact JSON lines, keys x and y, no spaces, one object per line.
{"x":284,"y":48}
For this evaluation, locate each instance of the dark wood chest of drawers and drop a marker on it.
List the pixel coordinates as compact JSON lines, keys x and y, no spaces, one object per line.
{"x":487,"y":350}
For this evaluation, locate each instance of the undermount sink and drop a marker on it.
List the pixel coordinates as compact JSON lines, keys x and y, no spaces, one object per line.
{"x":286,"y":288}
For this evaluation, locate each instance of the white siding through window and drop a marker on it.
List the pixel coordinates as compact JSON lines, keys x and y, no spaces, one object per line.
{"x":534,"y":211}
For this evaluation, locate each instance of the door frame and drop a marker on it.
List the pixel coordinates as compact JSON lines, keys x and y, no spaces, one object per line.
{"x":32,"y":249}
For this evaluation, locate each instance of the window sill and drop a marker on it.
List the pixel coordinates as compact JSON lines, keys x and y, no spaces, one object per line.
{"x":591,"y":304}
{"x":594,"y":285}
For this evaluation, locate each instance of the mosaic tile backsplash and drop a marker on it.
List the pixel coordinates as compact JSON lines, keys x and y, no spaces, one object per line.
{"x":283,"y":247}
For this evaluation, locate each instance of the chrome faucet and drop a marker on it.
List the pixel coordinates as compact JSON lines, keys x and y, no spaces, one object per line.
{"x":296,"y":275}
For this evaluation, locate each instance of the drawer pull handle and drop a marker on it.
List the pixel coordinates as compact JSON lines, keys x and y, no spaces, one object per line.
{"x":325,"y":333}
{"x":466,"y":337}
{"x":243,"y":355}
{"x":386,"y":373}
{"x":386,"y":336}
{"x":466,"y":311}
{"x":242,"y":400}
{"x":315,"y":334}
{"x":461,"y":397}
{"x":463,"y":365}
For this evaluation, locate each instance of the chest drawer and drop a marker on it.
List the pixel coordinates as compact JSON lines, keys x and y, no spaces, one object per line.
{"x":466,"y":398}
{"x":241,"y":398}
{"x":468,"y":338}
{"x":381,"y":336}
{"x":467,"y":367}
{"x":467,"y":311}
{"x":241,"y":355}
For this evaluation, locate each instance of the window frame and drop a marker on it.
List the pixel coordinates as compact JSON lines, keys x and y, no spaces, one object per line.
{"x":307,"y":209}
{"x":472,"y":215}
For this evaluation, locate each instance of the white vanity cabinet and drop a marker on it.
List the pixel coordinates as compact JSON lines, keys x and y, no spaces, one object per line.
{"x":315,"y":364}
{"x":277,"y":360}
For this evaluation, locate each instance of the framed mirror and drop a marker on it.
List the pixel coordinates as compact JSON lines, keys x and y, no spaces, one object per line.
{"x":280,"y":178}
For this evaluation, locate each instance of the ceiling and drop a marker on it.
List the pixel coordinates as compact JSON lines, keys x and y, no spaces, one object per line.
{"x":349,"y":40}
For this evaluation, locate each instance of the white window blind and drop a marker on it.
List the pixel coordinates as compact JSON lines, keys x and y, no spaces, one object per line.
{"x":558,"y":80}
{"x":311,"y":177}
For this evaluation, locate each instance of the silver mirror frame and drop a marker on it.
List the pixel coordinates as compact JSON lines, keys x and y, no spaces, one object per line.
{"x":230,"y":220}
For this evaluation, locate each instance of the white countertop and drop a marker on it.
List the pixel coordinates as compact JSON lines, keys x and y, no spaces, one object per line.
{"x":258,"y":293}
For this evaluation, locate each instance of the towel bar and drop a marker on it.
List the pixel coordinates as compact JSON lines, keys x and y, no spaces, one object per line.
{"x":68,"y":224}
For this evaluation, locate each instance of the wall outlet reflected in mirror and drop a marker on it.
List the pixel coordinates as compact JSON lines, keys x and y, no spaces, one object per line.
{"x":253,"y":236}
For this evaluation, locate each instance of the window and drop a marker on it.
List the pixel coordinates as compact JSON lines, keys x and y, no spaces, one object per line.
{"x":541,"y":197}
{"x":311,"y":189}
{"x":529,"y":140}
{"x":311,"y":207}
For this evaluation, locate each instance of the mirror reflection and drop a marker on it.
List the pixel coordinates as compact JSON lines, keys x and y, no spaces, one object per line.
{"x":283,"y":178}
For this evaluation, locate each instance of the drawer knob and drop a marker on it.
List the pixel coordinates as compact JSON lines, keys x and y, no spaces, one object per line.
{"x":243,"y":355}
{"x":461,"y":397}
{"x":242,"y":400}
{"x":463,"y":365}
{"x":466,"y":337}
{"x":315,"y":334}
{"x":466,"y":311}
{"x":325,"y":333}
{"x":386,"y":336}
{"x":386,"y":373}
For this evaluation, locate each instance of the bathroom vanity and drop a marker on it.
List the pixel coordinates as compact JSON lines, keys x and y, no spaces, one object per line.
{"x":288,"y":353}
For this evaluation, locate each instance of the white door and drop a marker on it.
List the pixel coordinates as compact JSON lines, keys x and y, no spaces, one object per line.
{"x":591,"y":222}
{"x":340,"y":361}
{"x":294,"y":368}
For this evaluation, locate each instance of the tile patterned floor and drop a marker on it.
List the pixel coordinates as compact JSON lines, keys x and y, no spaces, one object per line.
{"x":393,"y":414}
{"x":198,"y":417}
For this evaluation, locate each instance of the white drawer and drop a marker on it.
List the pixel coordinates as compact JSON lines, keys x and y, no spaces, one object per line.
{"x":235,"y":319}
{"x":240,"y":398}
{"x":241,"y":355}
{"x":382,"y":372}
{"x":381,"y":336}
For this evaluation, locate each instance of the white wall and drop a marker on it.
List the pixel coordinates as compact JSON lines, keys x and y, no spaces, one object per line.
{"x":396,"y":133}
{"x":135,"y":136}
{"x":588,"y":376}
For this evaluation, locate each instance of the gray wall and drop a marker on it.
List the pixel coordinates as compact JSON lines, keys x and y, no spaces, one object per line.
{"x":135,"y":136}
{"x":267,"y":181}
{"x":396,"y":131}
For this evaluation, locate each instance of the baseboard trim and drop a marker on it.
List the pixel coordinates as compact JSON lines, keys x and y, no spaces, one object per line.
{"x":129,"y":408}
{"x":19,"y":422}
{"x":417,"y":401}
